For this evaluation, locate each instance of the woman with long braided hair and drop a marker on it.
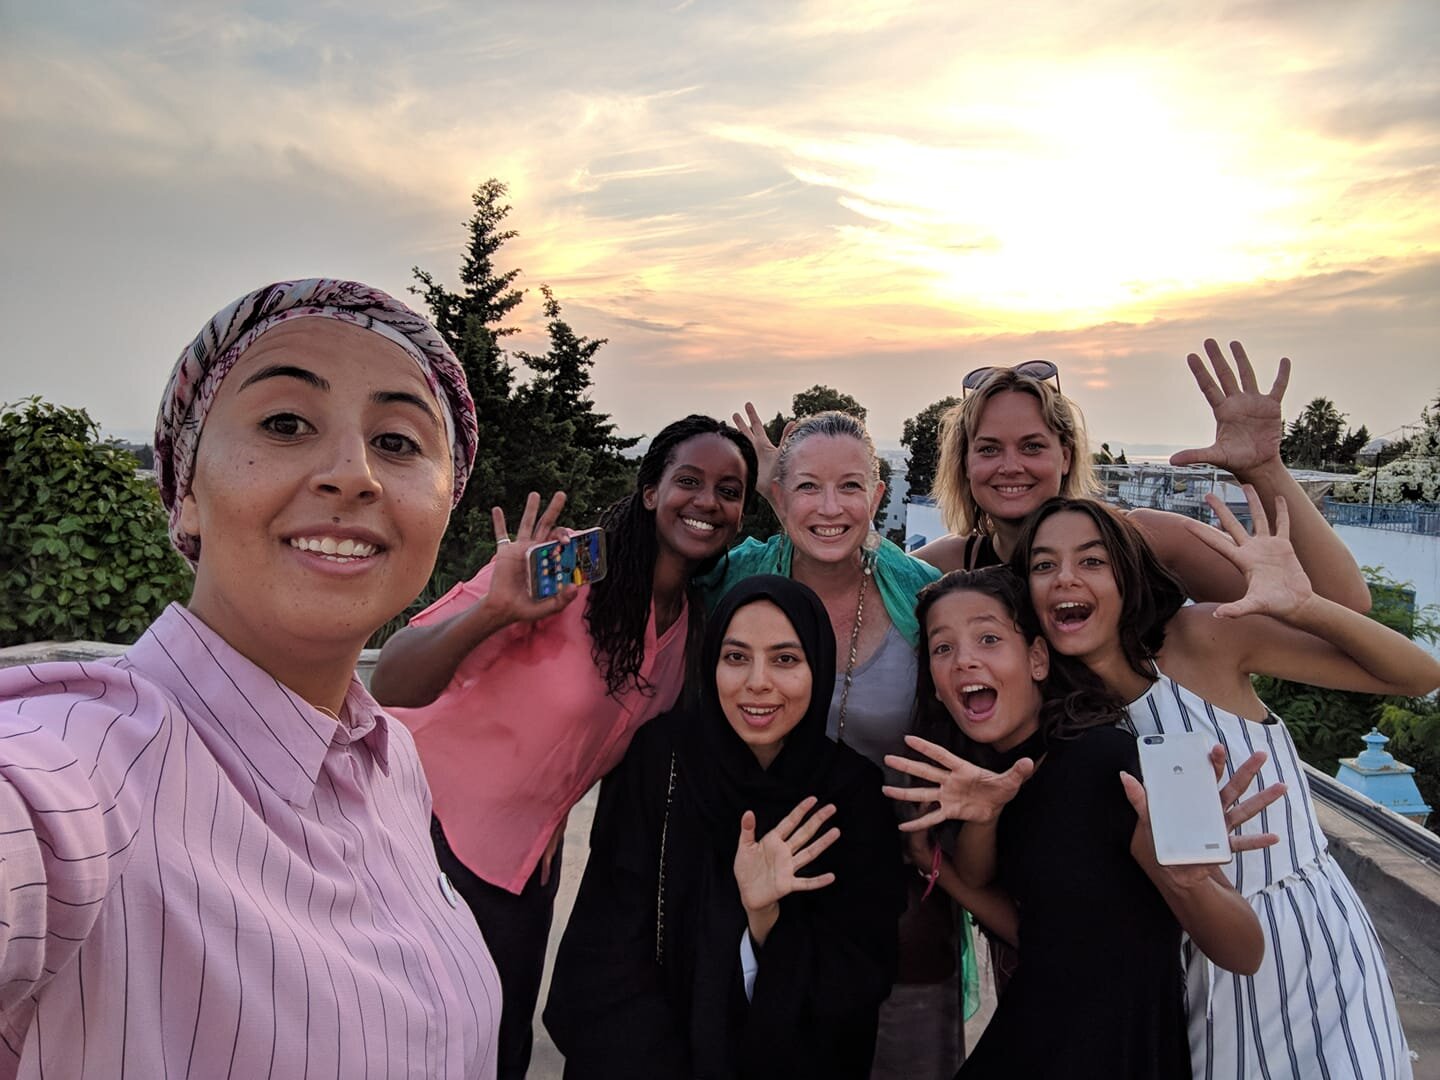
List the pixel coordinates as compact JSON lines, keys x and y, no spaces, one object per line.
{"x":518,"y":706}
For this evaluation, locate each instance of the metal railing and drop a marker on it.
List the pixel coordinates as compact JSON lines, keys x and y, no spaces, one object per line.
{"x":1422,"y":518}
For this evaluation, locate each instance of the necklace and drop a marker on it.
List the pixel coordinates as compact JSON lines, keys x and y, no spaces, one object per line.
{"x":854,"y":649}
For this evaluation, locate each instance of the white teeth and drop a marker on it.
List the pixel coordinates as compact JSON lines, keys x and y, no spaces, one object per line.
{"x":971,"y":687}
{"x":758,"y":710}
{"x":336,"y":550}
{"x":1070,"y":604}
{"x":829,"y":530}
{"x":696,"y":523}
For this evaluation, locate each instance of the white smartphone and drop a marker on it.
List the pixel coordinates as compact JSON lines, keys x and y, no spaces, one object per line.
{"x":1186,"y":818}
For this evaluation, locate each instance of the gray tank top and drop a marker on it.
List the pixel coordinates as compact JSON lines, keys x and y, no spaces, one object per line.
{"x":882,"y":698}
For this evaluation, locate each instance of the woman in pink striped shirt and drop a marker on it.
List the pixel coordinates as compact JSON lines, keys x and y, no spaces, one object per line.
{"x":214,"y":851}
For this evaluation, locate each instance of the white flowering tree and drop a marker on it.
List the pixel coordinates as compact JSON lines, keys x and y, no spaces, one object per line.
{"x":1414,"y":476}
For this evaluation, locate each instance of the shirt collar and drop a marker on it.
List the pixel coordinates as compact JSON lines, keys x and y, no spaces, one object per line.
{"x":282,"y":737}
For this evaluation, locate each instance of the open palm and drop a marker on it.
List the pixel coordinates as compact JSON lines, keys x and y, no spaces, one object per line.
{"x":1248,"y":423}
{"x":767,"y":869}
{"x":959,"y":791}
{"x":1275,"y":582}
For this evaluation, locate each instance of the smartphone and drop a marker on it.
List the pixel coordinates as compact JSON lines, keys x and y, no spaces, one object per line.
{"x":1186,"y":819}
{"x":559,"y":564}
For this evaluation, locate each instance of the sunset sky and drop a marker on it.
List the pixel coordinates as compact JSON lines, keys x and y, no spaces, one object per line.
{"x":748,"y":198}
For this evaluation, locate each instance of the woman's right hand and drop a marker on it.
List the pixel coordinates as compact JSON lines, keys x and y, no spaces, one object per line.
{"x":767,"y":869}
{"x":1275,"y":582}
{"x":960,"y":791}
{"x":509,"y":599}
{"x":766,"y":452}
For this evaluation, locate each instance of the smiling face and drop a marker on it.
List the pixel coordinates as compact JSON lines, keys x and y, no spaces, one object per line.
{"x":828,"y":497}
{"x":321,"y":490}
{"x":1014,"y":462}
{"x":763,"y":679}
{"x":985,"y":673}
{"x":1072,"y":586}
{"x":700,"y":498}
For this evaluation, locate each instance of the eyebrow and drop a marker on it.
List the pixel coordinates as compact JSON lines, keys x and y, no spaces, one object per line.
{"x":768,"y":648}
{"x":401,"y":397}
{"x":1031,"y":435}
{"x":290,"y":371}
{"x":1083,"y":547}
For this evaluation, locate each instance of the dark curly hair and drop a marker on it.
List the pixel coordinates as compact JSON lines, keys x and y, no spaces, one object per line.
{"x":618,"y":608}
{"x":1073,"y":698}
{"x":1150,"y":594}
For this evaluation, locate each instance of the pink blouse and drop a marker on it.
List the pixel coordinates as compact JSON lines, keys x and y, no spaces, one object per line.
{"x":202,"y":875}
{"x":525,"y":728}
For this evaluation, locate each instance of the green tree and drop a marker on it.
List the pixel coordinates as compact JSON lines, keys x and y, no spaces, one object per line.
{"x":84,"y":550}
{"x":597,"y":471}
{"x":1409,"y":468}
{"x":824,"y":399}
{"x":1327,"y":724}
{"x":921,"y":436}
{"x":1319,"y":439}
{"x":541,"y":435}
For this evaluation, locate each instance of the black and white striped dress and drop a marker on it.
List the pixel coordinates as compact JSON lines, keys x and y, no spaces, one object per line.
{"x":1321,"y":1004}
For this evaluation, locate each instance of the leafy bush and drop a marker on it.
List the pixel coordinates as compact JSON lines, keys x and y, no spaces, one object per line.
{"x":1414,"y":730}
{"x":1328,"y":724}
{"x":84,"y":553}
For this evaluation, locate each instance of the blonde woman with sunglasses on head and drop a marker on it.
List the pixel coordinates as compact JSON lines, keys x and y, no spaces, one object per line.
{"x":1015,"y":440}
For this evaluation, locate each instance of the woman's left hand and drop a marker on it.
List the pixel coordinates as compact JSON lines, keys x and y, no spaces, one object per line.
{"x":1237,"y":811}
{"x":767,"y":869}
{"x":1248,"y":424}
{"x":1275,"y":582}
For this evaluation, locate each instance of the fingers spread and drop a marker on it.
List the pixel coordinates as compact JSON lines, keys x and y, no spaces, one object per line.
{"x":912,"y":794}
{"x":1221,"y":366}
{"x":922,"y":769}
{"x":1242,"y":365}
{"x":497,"y":519}
{"x":819,"y":881}
{"x":1282,"y":379}
{"x":807,"y":855}
{"x":937,"y":754}
{"x":806,"y":832}
{"x":1213,"y":394}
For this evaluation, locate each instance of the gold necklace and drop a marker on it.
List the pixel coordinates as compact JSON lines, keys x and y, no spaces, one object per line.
{"x":854,"y":649}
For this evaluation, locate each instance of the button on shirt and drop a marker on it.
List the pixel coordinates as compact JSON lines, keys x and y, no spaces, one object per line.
{"x":202,"y":875}
{"x":525,"y":727}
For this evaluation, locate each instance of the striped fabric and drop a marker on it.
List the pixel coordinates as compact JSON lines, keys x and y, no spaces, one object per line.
{"x":201,"y":875}
{"x":1321,"y":1004}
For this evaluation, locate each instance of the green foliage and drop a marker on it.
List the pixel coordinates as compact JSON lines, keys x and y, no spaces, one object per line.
{"x":1409,"y":468}
{"x":542,"y":435}
{"x":1327,"y":724}
{"x":1318,"y":439}
{"x":824,"y":399}
{"x":921,"y":436}
{"x":84,"y":552}
{"x":1414,"y":729}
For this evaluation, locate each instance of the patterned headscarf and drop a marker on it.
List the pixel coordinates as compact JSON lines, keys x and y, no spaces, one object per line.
{"x":206,"y":361}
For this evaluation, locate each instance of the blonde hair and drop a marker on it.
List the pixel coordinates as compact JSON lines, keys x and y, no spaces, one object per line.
{"x":961,"y":513}
{"x":837,"y":425}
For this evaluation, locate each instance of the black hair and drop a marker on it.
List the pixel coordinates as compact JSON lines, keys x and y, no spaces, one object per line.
{"x":618,"y":608}
{"x":1073,"y":698}
{"x":1150,"y":594}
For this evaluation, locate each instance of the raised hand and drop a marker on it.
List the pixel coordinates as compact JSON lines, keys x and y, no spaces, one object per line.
{"x":1275,"y":582}
{"x":766,"y":452}
{"x":767,"y":869}
{"x":509,"y":597}
{"x":960,"y":792}
{"x":1238,"y":810}
{"x":1248,"y":425}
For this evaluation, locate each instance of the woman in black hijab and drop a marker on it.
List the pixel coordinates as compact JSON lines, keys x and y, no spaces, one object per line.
{"x":737,"y":915}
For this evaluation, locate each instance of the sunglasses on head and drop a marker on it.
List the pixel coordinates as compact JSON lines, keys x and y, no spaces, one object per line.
{"x":1036,"y":369}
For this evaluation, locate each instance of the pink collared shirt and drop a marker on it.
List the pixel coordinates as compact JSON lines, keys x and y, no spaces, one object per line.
{"x":201,"y":875}
{"x":525,"y":727}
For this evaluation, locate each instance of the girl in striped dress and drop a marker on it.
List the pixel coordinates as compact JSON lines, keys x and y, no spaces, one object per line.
{"x":1321,"y":1003}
